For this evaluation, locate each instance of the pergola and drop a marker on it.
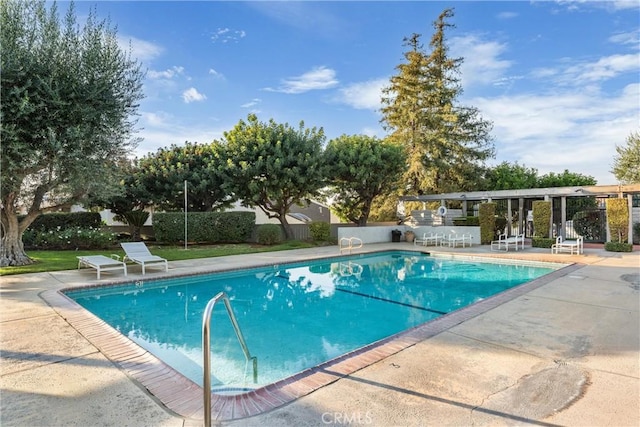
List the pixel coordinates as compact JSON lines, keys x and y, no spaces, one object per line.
{"x":547,"y":194}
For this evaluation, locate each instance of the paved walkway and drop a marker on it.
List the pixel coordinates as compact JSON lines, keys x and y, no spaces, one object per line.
{"x":567,"y":353}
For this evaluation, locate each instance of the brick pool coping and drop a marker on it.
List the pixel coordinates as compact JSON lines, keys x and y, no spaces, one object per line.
{"x":185,"y":398}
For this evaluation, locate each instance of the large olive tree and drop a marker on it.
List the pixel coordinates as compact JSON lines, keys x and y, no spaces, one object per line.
{"x":69,"y":100}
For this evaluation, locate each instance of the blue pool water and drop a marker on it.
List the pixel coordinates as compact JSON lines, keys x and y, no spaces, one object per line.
{"x":295,"y":316}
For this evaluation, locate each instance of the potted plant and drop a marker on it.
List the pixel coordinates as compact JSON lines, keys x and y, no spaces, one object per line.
{"x":409,"y":235}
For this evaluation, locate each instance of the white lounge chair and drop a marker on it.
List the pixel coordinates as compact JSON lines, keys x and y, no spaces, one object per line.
{"x":139,"y":253}
{"x":571,"y":246}
{"x":102,"y":263}
{"x":454,"y":238}
{"x":428,"y":239}
{"x":504,"y":242}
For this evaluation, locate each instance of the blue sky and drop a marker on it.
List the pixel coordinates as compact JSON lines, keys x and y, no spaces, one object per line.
{"x":558,"y":79}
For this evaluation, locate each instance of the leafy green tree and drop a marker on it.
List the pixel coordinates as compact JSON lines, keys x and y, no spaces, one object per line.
{"x":69,"y":100}
{"x":626,"y":163}
{"x":162,"y":174}
{"x":385,"y":207}
{"x":128,"y":200}
{"x":507,"y":176}
{"x":404,"y":114}
{"x":447,"y":143}
{"x":359,"y":169}
{"x":273,"y":166}
{"x":565,"y":179}
{"x":126,"y":195}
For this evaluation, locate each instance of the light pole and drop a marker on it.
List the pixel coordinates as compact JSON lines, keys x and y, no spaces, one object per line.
{"x":185,"y":214}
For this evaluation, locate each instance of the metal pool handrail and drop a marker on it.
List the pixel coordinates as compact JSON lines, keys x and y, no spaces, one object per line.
{"x":350,"y":243}
{"x":206,"y":349}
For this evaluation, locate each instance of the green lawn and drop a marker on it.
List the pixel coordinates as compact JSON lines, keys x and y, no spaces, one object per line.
{"x":66,"y":260}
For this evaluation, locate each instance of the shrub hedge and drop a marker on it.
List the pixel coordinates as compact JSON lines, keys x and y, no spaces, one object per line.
{"x":269,"y":234}
{"x":320,"y":231}
{"x":541,"y":218}
{"x":73,"y":238}
{"x":57,"y":221}
{"x":618,"y":247}
{"x":618,"y":220}
{"x":587,"y":224}
{"x":487,"y":218}
{"x":204,"y":227}
{"x":542,"y":242}
{"x":467,"y":220}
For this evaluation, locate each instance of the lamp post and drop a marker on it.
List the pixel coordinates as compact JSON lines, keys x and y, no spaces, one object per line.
{"x":185,"y":214}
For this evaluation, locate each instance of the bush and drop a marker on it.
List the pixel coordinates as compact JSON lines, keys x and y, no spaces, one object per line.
{"x":587,"y":224}
{"x":205,"y":227}
{"x":500,"y":226}
{"x":487,"y":218}
{"x":618,"y":219}
{"x":542,"y":242}
{"x":59,"y":221}
{"x":269,"y":234}
{"x":70,"y":239}
{"x":320,"y":231}
{"x":467,"y":220}
{"x":618,"y":247}
{"x":541,"y":218}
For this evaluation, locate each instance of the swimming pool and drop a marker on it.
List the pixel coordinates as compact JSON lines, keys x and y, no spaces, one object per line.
{"x":295,"y":316}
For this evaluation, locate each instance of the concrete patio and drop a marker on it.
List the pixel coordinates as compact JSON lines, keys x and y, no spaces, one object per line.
{"x":566,"y":353}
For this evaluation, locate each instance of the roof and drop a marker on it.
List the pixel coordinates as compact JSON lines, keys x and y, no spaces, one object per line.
{"x":530,"y":193}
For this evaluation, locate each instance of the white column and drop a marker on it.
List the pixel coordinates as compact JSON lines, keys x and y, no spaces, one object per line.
{"x":563,"y":218}
{"x":630,"y":209}
{"x":509,"y":217}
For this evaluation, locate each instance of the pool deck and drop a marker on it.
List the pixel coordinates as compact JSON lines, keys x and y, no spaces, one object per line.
{"x":564,"y":352}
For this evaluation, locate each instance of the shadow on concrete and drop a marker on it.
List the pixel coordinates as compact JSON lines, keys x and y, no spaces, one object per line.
{"x":445,"y":401}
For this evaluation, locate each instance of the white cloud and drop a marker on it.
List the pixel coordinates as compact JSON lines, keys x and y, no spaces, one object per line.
{"x":216,"y":74}
{"x":162,"y":129}
{"x":373,"y":132}
{"x":226,"y":35}
{"x":573,"y":5}
{"x":140,"y":49}
{"x":576,"y":130}
{"x":192,"y":95}
{"x":318,"y":78}
{"x":507,"y":15}
{"x":482,"y":63}
{"x":252,"y":103}
{"x":631,"y":38}
{"x":166,"y":74}
{"x":603,"y":69}
{"x":156,"y":119}
{"x":363,"y":95}
{"x":625,"y":4}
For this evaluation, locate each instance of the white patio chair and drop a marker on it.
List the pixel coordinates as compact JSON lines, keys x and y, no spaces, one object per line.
{"x":139,"y":253}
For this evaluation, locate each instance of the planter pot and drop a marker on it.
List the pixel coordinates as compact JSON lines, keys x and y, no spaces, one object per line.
{"x":409,"y":235}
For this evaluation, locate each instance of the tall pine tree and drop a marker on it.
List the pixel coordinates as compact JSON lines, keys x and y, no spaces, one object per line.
{"x":447,"y":143}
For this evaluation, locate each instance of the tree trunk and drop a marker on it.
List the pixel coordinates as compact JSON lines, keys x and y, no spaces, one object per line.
{"x":286,"y":227}
{"x":12,"y":250}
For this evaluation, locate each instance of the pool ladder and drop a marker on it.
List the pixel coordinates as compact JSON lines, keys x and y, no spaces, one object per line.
{"x":350,"y":243}
{"x":206,"y":349}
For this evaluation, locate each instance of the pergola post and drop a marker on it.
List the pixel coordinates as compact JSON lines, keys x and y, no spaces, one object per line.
{"x":522,"y":220}
{"x":509,"y":217}
{"x":563,"y":217}
{"x":630,"y":209}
